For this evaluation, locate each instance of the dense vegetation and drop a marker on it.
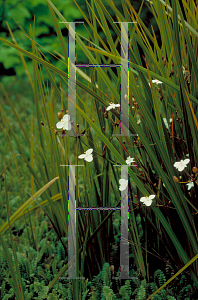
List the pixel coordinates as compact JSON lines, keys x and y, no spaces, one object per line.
{"x":162,"y":187}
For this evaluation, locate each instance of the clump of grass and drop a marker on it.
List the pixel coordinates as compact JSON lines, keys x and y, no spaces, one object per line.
{"x":162,"y":86}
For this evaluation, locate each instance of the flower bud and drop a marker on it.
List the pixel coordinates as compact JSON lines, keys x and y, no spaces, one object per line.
{"x":175,"y":179}
{"x":164,"y":61}
{"x":103,"y":128}
{"x":62,"y":110}
{"x":100,"y":109}
{"x":59,"y":115}
{"x":93,"y":120}
{"x":42,"y":123}
{"x":195,"y":169}
{"x":67,"y":111}
{"x":77,"y":125}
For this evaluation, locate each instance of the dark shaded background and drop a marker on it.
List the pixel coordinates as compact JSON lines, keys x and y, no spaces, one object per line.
{"x":23,"y":12}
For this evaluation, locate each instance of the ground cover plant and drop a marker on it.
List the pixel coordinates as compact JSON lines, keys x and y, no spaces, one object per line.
{"x":162,"y":161}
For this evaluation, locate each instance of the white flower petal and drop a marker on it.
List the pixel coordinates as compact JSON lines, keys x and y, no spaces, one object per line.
{"x":89,"y":158}
{"x":148,"y":202}
{"x":165,"y":122}
{"x":82,"y":156}
{"x":151,"y":197}
{"x":142,"y":199}
{"x":186,"y":161}
{"x":122,"y":188}
{"x":122,"y":181}
{"x":190,"y":185}
{"x":67,"y":126}
{"x":181,"y":168}
{"x":89,"y":151}
{"x":66,"y":117}
{"x":176,"y":165}
{"x":59,"y":125}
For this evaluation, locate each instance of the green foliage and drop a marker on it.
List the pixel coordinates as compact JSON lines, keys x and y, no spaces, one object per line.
{"x":23,"y":13}
{"x":156,"y":149}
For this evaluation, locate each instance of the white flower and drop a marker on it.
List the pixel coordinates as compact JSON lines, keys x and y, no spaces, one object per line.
{"x":133,"y":101}
{"x":156,"y":81}
{"x":138,"y":119}
{"x":165,"y":122}
{"x":112,"y":105}
{"x":190,"y":184}
{"x":126,"y":97}
{"x":129,"y":160}
{"x":88,"y":156}
{"x":123,"y":184}
{"x":65,"y":123}
{"x":181,"y":164}
{"x":147,"y":200}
